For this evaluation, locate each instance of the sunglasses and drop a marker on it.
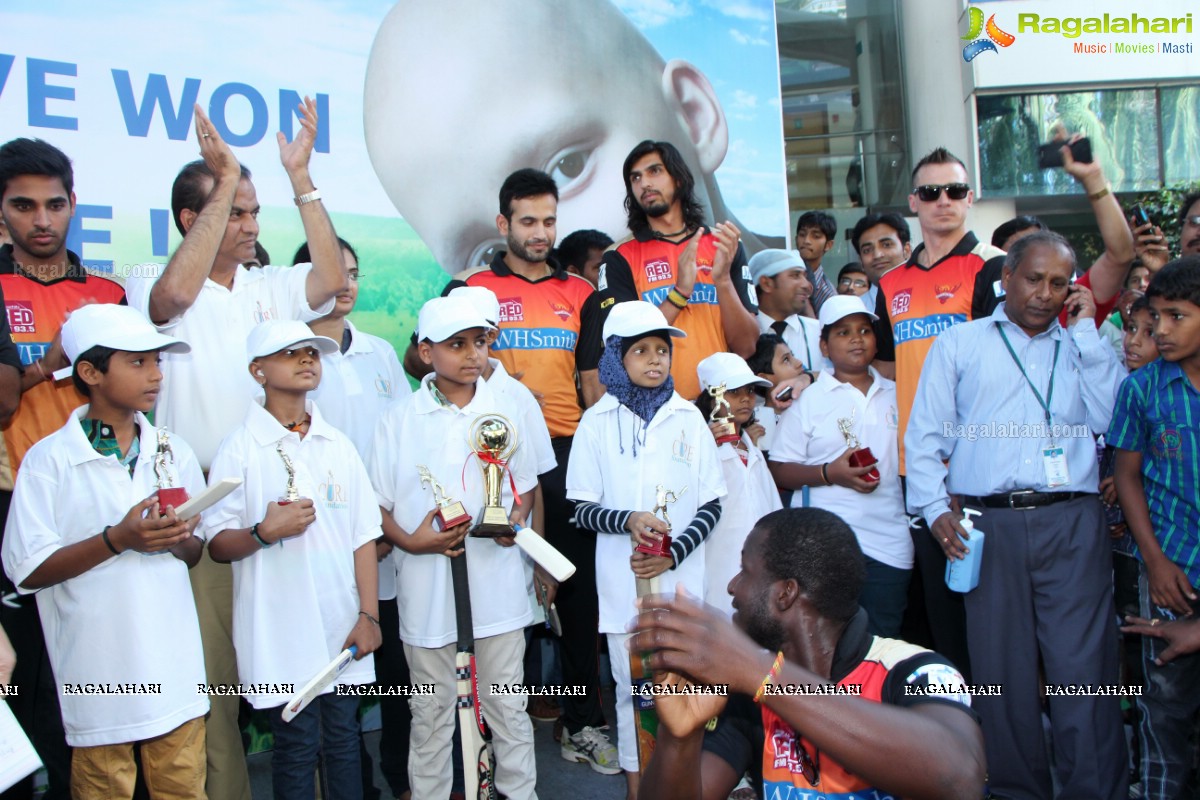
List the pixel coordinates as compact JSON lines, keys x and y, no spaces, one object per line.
{"x":931,"y":191}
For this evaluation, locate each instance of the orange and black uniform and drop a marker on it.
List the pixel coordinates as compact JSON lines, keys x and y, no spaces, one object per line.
{"x":644,"y":268}
{"x":778,"y":757}
{"x":549,"y":329}
{"x":36,"y":312}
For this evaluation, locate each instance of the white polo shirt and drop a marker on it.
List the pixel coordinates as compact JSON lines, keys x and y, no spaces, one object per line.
{"x":356,"y":387}
{"x":532,"y":423}
{"x":751,"y":496}
{"x":809,"y":434}
{"x":206,"y":392}
{"x":420,"y":431}
{"x":295,"y":602}
{"x":130,"y":620}
{"x":679,"y":453}
{"x":803,"y":336}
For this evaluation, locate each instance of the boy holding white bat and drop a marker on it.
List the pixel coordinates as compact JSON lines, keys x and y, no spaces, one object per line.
{"x":430,"y":431}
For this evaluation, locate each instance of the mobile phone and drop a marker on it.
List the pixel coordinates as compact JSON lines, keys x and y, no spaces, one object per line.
{"x":1140,"y":217}
{"x":784,"y":395}
{"x":1050,"y":154}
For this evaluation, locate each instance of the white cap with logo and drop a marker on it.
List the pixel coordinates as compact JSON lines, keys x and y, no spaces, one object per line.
{"x":274,"y":335}
{"x":728,"y":369}
{"x":442,"y":317}
{"x":636,"y":318}
{"x":482,"y":298}
{"x":841,"y":306}
{"x":110,"y":325}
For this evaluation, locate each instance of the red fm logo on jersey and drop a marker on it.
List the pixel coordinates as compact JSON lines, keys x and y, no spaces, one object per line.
{"x":901,"y":302}
{"x":944,"y":291}
{"x":20,"y":317}
{"x":511,"y":309}
{"x":658,"y":270}
{"x":562,"y":311}
{"x":785,"y":756}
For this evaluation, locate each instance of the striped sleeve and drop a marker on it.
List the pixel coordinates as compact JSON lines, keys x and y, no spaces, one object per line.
{"x":694,"y":535}
{"x":592,"y":517}
{"x":1126,"y":430}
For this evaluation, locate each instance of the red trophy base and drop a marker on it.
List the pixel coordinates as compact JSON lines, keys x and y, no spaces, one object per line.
{"x":451,"y":516}
{"x":728,"y":436}
{"x":662,"y":549}
{"x":865,"y":458}
{"x":174,"y":497}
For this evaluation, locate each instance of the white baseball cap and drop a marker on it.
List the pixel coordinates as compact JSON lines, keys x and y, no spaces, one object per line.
{"x":636,"y":318}
{"x":442,"y":317}
{"x":728,"y":369}
{"x":482,"y":298}
{"x":110,"y":325}
{"x":274,"y":335}
{"x":840,"y":306}
{"x":769,"y":263}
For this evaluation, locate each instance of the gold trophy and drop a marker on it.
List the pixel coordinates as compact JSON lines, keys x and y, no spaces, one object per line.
{"x":862,"y":456}
{"x":168,"y":495}
{"x":728,"y":433}
{"x":290,"y":494}
{"x":450,"y":512}
{"x":663,"y":497}
{"x":493,"y":439}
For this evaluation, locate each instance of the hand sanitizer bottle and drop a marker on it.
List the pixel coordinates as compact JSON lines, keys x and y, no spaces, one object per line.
{"x":963,"y":575}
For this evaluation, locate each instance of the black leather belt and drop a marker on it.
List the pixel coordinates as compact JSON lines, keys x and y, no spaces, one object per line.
{"x":1024,"y":499}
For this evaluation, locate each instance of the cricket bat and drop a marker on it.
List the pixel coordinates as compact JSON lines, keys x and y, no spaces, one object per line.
{"x":208,"y":498}
{"x":544,"y":554}
{"x":479,"y":762}
{"x":645,"y":718}
{"x":320,"y":682}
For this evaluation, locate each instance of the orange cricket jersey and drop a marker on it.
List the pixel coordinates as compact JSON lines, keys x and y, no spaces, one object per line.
{"x":540,"y":322}
{"x":921,"y":303}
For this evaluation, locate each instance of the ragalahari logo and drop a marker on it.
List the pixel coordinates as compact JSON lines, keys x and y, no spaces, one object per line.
{"x":994,"y":37}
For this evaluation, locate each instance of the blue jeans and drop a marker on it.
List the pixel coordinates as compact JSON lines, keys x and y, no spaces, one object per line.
{"x":326,"y":733}
{"x":1168,"y":707}
{"x":885,"y":596}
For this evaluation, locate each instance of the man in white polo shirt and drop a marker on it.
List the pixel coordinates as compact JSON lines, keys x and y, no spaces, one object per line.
{"x":206,"y":296}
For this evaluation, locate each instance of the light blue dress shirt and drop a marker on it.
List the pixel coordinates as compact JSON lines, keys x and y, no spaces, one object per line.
{"x":974,"y":410}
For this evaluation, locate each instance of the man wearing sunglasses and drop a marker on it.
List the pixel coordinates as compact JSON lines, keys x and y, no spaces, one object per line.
{"x":950,"y":278}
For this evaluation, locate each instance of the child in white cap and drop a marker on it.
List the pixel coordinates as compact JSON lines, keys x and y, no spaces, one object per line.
{"x":847,"y":409}
{"x":639,"y":444}
{"x":300,"y":532}
{"x":109,"y":562}
{"x":751,"y":489}
{"x":431,"y":430}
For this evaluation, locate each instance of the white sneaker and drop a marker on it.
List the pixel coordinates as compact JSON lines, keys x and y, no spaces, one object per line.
{"x":592,"y":747}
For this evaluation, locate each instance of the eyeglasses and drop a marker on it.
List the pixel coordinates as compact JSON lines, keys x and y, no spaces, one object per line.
{"x":931,"y":191}
{"x":1192,"y":220}
{"x":857,"y":283}
{"x":354,"y":275}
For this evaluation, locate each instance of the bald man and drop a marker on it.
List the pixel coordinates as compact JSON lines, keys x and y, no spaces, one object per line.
{"x":598,"y":89}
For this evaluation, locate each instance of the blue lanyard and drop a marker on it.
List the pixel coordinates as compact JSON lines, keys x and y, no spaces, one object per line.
{"x":1045,"y":404}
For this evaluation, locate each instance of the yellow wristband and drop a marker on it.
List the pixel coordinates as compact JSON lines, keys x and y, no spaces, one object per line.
{"x":676,"y":298}
{"x":770,"y":677}
{"x":1100,"y":194}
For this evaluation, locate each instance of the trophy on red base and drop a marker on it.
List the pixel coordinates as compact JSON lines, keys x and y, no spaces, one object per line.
{"x":493,"y":439}
{"x":168,"y":495}
{"x":663,"y":497}
{"x":722,"y":415}
{"x":290,"y":494}
{"x":862,"y":456}
{"x":450,"y":512}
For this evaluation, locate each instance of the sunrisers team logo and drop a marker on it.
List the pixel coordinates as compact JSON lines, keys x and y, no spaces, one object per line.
{"x":995,"y":36}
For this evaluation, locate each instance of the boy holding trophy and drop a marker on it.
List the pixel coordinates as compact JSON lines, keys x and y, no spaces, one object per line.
{"x":840,"y":439}
{"x":448,"y":461}
{"x":300,"y":531}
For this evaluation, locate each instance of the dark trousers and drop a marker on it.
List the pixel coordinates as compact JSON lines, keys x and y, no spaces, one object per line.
{"x":325,"y":733}
{"x":577,"y":602}
{"x":944,"y":609}
{"x":1045,"y":587}
{"x":391,"y":669}
{"x":1168,"y":707}
{"x":36,"y":703}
